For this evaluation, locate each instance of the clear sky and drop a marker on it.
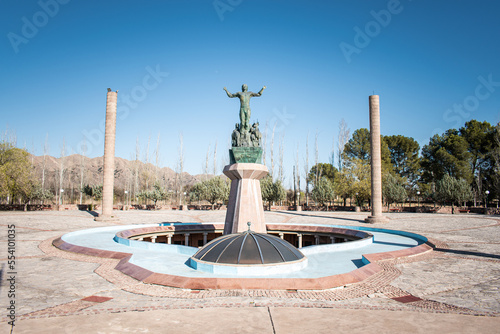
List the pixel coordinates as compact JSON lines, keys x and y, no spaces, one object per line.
{"x":435,"y":65}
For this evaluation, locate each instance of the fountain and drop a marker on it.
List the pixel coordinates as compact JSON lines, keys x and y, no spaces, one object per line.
{"x":245,"y":252}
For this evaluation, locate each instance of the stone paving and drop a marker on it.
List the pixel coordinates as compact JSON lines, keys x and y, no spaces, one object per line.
{"x":461,"y":276}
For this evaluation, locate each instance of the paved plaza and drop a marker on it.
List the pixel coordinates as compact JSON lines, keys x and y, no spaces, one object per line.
{"x":454,"y":289}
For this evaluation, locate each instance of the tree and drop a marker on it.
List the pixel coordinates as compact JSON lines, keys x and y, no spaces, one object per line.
{"x":94,"y":191}
{"x":82,"y":166}
{"x":393,"y":189}
{"x":446,"y":154}
{"x":358,"y":147}
{"x":323,"y":191}
{"x":404,"y":155}
{"x":213,"y":191}
{"x":361,"y":187}
{"x":344,"y":134}
{"x":158,"y":193}
{"x":217,"y":190}
{"x":323,"y":169}
{"x":180,"y":168}
{"x":450,"y":189}
{"x":343,"y":185}
{"x":495,"y":154}
{"x":42,"y":194}
{"x":481,"y":142}
{"x":62,"y":170}
{"x":272,"y":191}
{"x":17,"y":177}
{"x":306,"y":169}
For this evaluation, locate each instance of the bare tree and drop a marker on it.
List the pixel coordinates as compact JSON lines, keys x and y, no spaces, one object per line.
{"x":306,"y":169}
{"x":271,"y":151}
{"x":9,"y":136}
{"x":180,"y":167}
{"x":61,"y":170}
{"x":136,"y":167}
{"x":225,"y":157}
{"x":44,"y":162}
{"x":32,"y":152}
{"x":296,"y":180}
{"x":82,"y":167}
{"x":344,"y":134}
{"x":332,"y":153}
{"x":316,"y":157}
{"x":215,"y":158}
{"x":206,"y":162}
{"x":157,"y":159}
{"x":281,"y":169}
{"x":146,"y":171}
{"x":264,"y":145}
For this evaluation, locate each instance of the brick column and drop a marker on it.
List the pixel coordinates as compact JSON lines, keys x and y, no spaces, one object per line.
{"x":376,"y":163}
{"x":109,"y":158}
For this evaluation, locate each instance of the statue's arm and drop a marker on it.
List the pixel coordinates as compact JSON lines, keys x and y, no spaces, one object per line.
{"x":260,"y":92}
{"x":229,"y":94}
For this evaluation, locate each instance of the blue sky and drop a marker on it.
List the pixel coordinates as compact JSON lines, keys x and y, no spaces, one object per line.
{"x":435,"y":65}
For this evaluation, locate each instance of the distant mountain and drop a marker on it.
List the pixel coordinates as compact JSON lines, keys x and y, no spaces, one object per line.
{"x":129,"y":175}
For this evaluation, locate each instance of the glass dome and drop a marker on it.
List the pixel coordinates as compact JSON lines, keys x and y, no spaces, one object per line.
{"x":248,"y":248}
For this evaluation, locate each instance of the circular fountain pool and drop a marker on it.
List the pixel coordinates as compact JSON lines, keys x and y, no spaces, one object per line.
{"x":328,"y":265}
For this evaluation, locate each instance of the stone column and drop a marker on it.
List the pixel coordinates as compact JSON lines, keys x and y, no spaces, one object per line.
{"x":245,"y":198}
{"x":300,"y":240}
{"x":109,"y":158}
{"x":376,"y":163}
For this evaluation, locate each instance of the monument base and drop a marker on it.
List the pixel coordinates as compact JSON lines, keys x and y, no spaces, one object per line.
{"x":245,"y":198}
{"x":245,"y":155}
{"x":376,"y":219}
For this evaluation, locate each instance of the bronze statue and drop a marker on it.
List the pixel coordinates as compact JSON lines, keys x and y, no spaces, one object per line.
{"x":245,"y":111}
{"x":256,"y":135}
{"x":235,"y":137}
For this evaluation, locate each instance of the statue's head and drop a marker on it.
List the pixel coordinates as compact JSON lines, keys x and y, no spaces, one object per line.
{"x":244,"y":87}
{"x":237,"y":126}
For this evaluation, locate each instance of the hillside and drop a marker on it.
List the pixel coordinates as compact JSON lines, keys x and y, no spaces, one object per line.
{"x":129,"y":175}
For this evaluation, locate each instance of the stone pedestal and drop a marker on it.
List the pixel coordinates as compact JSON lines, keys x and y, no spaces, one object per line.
{"x":245,"y":155}
{"x":245,"y":198}
{"x":376,"y":163}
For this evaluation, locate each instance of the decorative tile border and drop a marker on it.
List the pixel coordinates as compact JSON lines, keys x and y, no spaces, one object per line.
{"x":217,"y":283}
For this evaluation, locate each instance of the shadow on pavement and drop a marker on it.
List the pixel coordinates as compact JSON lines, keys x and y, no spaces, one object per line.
{"x":461,"y":252}
{"x":315,"y":216}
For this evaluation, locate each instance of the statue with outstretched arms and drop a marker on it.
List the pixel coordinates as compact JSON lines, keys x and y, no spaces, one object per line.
{"x":245,"y":111}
